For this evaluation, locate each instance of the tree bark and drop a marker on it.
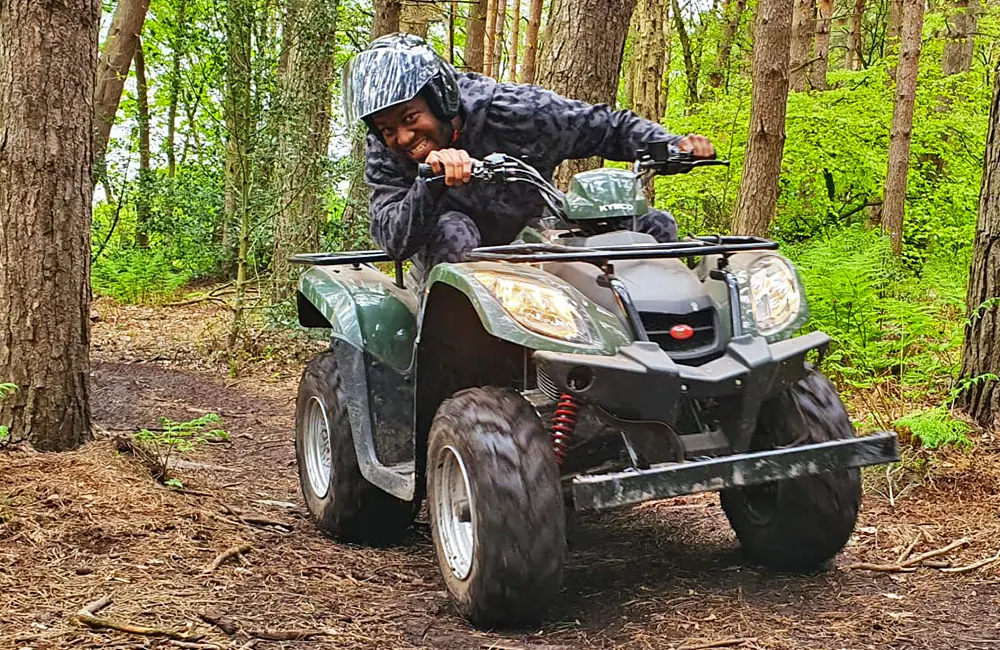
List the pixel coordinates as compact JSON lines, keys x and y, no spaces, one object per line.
{"x":354,"y":220}
{"x":531,"y":42}
{"x":648,"y":58}
{"x":112,"y":70}
{"x":817,"y":71}
{"x":145,"y":180}
{"x":177,"y":45}
{"x":515,"y":40}
{"x":306,"y":89}
{"x":491,"y":29}
{"x":387,"y":16}
{"x":475,"y":32}
{"x":981,"y":352}
{"x":48,"y":56}
{"x":416,"y":18}
{"x":802,"y":33}
{"x":893,"y":206}
{"x":501,"y":24}
{"x":732,"y":13}
{"x":581,"y":57}
{"x":691,"y":68}
{"x":759,"y":185}
{"x":852,"y":59}
{"x":960,"y":44}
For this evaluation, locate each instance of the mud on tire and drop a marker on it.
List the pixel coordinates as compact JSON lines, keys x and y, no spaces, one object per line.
{"x":512,"y":530}
{"x":350,"y":508}
{"x":798,"y":524}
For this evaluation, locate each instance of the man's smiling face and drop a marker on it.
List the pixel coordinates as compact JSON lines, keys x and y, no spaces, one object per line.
{"x":411,"y":129}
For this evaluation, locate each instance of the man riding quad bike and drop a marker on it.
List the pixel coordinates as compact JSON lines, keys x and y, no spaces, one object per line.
{"x":594,"y":362}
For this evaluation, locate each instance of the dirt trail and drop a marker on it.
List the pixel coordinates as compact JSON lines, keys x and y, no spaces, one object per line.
{"x":78,"y":526}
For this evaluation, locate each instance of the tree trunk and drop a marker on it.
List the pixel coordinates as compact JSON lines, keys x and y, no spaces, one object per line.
{"x":759,"y":185}
{"x":817,"y":71}
{"x":387,"y":15}
{"x":531,"y":43}
{"x":112,"y":70}
{"x":416,"y":18}
{"x":581,"y":57}
{"x":306,"y":89}
{"x":981,"y":352}
{"x":145,"y":180}
{"x":893,"y":205}
{"x":48,"y":56}
{"x":648,"y":58}
{"x":475,"y":32}
{"x":894,"y":18}
{"x":960,"y":44}
{"x":491,"y":29}
{"x":354,"y":221}
{"x":852,"y":59}
{"x":802,"y":33}
{"x":177,"y":45}
{"x":690,"y":62}
{"x":498,"y":35}
{"x":732,"y":13}
{"x":515,"y":40}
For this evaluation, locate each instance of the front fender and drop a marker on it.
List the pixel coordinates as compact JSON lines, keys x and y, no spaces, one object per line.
{"x":605,"y":328}
{"x":362,"y":306}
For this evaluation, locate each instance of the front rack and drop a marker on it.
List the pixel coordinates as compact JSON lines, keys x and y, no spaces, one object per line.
{"x":534,"y":253}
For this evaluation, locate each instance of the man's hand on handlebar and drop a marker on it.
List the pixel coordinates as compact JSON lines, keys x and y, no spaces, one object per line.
{"x":698,"y":145}
{"x":454,"y":164}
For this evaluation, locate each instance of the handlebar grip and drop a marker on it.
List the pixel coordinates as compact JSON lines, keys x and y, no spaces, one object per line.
{"x":426,"y":172}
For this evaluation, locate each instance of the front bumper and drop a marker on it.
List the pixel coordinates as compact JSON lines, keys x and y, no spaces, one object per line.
{"x":597,"y":492}
{"x":642,"y":382}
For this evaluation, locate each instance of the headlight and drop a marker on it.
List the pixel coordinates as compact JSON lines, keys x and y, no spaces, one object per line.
{"x":771,"y":291}
{"x":538,"y":307}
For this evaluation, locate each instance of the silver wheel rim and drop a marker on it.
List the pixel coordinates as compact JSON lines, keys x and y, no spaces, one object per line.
{"x":454,"y":512}
{"x":317,"y":447}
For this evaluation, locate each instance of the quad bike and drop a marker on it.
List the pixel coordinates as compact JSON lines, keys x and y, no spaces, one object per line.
{"x":583,"y":367}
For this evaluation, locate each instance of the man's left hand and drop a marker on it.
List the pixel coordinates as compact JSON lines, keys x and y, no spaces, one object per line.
{"x":699,"y":145}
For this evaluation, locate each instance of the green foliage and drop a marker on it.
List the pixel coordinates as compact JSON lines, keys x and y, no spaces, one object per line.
{"x":5,"y":390}
{"x":888,"y":323}
{"x":174,"y":438}
{"x":936,"y":427}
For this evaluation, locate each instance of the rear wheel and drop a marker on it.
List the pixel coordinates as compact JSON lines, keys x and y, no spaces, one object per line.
{"x":798,"y":524}
{"x":343,"y":504}
{"x":496,"y":507}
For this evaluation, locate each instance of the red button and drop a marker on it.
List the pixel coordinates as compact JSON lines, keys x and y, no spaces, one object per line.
{"x":682,"y":332}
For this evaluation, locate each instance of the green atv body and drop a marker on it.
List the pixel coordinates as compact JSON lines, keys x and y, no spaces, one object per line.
{"x":584,"y":367}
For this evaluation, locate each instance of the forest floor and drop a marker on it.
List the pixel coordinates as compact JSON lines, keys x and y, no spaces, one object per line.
{"x":78,"y":526}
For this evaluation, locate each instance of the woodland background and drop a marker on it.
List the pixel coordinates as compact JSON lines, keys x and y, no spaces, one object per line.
{"x":857,"y":130}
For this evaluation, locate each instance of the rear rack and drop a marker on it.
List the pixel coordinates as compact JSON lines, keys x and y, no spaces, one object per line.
{"x":533,"y":253}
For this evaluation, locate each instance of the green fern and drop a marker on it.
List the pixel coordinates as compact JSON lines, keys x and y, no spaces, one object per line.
{"x":936,"y":427}
{"x":5,"y":390}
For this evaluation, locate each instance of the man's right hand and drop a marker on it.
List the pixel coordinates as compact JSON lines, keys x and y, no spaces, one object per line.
{"x":455,"y":164}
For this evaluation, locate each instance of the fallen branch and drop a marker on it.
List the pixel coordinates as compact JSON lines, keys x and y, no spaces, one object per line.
{"x":221,"y":621}
{"x":724,"y":643}
{"x":96,"y":623}
{"x":936,"y":564}
{"x":973,"y":566}
{"x":195,"y":646}
{"x":905,"y":565}
{"x":97,"y":605}
{"x":909,"y":549}
{"x":291,"y":635}
{"x":225,"y":555}
{"x":257,"y":520}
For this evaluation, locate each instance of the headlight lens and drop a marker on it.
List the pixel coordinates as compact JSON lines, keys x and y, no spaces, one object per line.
{"x":538,"y":307}
{"x":774,"y":295}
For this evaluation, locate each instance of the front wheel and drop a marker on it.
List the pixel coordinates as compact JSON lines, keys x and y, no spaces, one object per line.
{"x":496,"y":507}
{"x":798,"y":524}
{"x":343,"y":504}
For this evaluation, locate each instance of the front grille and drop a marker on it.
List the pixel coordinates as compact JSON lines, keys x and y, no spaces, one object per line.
{"x":702,"y":322}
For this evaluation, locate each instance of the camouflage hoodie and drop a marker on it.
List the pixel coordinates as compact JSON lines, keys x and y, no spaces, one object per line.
{"x":534,"y":124}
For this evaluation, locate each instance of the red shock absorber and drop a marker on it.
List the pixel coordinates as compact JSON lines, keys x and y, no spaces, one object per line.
{"x":563,"y":425}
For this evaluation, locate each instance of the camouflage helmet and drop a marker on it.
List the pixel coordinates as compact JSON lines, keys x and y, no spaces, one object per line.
{"x":394,"y":69}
